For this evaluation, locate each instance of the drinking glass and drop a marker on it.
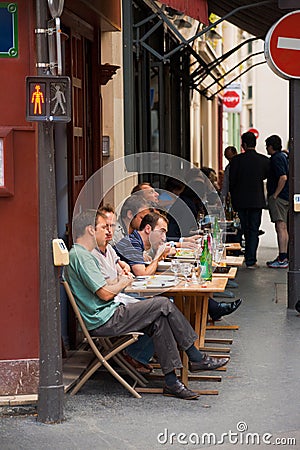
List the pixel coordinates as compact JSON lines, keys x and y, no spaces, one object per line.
{"x":186,"y":269}
{"x":175,"y":267}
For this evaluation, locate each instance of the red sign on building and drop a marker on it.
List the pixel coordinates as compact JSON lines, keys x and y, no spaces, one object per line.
{"x":282,"y":46}
{"x":232,"y":98}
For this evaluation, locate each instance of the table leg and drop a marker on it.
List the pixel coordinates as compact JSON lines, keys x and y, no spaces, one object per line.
{"x":203,"y":320}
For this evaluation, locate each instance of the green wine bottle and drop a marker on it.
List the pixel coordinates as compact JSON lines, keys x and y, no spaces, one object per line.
{"x":206,"y":262}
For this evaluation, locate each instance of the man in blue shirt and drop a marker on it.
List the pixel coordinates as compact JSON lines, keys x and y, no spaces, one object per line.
{"x":278,"y":198}
{"x":156,"y":316}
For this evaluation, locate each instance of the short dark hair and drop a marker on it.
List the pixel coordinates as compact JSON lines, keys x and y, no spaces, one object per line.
{"x":249,"y":139}
{"x":232,"y":149}
{"x":82,"y":220}
{"x":138,"y":187}
{"x":100,"y":214}
{"x":107,"y":208}
{"x":173,"y":184}
{"x":275,"y":142}
{"x":152,"y":219}
{"x":133,"y":203}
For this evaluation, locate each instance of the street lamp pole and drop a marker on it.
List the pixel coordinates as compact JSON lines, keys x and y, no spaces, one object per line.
{"x":51,"y":390}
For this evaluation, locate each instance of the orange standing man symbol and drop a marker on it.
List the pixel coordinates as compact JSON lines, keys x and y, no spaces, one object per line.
{"x":37,"y":98}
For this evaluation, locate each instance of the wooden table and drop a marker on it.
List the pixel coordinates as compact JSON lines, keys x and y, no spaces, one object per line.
{"x":233,"y":261}
{"x":229,"y":275}
{"x":233,"y":246}
{"x":192,"y":301}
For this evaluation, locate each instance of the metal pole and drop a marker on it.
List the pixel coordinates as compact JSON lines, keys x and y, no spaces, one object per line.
{"x":51,"y":390}
{"x":129,"y":142}
{"x":294,"y":187}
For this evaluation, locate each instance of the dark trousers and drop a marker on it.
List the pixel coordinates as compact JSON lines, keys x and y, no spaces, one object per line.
{"x":250,"y":222}
{"x":160,"y":319}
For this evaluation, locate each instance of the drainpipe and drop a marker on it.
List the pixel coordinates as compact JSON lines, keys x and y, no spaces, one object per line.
{"x":51,"y":390}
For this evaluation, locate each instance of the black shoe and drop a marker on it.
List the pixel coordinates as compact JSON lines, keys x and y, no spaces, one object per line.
{"x":224,"y":309}
{"x":179,"y":390}
{"x":207,"y":363}
{"x":297,"y":306}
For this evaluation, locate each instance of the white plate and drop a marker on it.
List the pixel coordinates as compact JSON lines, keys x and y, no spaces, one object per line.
{"x":162,"y":284}
{"x":157,"y":281}
{"x":163,"y":265}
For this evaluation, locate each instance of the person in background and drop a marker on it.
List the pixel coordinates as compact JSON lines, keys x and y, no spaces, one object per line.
{"x":184,"y":214}
{"x":278,"y":199}
{"x":212,"y":176}
{"x":157,"y":316}
{"x":134,"y":208}
{"x":148,"y":192}
{"x":229,"y":153}
{"x":248,"y":170}
{"x":168,"y":195}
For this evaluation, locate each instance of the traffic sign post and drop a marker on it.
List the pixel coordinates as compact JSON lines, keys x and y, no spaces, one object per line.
{"x":282,"y":52}
{"x":48,"y":99}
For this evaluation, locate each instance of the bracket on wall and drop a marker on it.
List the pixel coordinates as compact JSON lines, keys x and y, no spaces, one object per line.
{"x":107,"y":71}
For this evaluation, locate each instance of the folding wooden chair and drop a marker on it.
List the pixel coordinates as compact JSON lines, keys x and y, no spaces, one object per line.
{"x":111,"y":349}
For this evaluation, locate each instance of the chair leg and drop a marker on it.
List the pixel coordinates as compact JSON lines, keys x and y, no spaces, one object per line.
{"x":134,"y":374}
{"x":121,"y":380}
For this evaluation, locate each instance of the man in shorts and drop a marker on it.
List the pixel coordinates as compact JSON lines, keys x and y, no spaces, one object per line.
{"x":278,"y":198}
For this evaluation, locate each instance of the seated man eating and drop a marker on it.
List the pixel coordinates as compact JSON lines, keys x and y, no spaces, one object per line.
{"x":156,"y":316}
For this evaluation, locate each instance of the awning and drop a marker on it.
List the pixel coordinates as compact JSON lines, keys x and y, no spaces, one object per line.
{"x":257,"y":19}
{"x":197,"y":9}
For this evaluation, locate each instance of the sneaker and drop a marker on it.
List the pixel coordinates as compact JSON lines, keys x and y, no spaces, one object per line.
{"x":253,"y":266}
{"x":271,"y":262}
{"x":277,"y":264}
{"x":179,"y":390}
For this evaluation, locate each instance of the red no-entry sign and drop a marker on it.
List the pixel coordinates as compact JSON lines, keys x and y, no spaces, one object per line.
{"x":282,"y":46}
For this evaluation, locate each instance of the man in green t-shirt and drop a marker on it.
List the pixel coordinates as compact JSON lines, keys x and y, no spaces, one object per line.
{"x":156,"y":316}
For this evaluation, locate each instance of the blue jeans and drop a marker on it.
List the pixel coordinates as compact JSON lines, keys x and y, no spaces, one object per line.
{"x":250,"y":222}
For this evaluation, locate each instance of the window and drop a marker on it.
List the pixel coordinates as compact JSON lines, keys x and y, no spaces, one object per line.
{"x":250,"y":92}
{"x":250,"y":117}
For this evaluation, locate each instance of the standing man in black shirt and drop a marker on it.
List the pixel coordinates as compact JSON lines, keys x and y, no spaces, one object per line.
{"x":247,"y":172}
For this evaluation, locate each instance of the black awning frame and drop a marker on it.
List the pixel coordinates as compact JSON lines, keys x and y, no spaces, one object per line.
{"x":205,"y":69}
{"x":184,"y":42}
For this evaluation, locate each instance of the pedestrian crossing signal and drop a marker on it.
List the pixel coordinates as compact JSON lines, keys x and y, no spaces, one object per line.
{"x":48,"y":99}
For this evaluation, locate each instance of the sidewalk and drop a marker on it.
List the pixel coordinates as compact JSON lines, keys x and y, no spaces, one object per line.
{"x":260,"y":390}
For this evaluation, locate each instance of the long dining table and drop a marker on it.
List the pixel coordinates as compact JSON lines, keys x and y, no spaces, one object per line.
{"x":191,"y":299}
